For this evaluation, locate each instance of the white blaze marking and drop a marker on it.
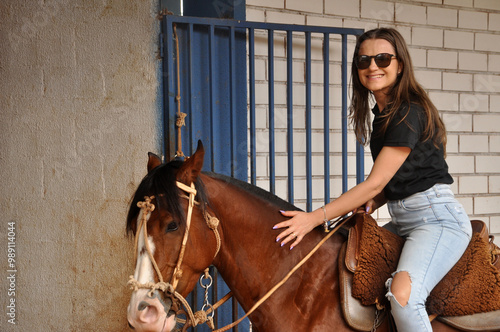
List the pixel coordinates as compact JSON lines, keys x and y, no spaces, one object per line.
{"x":144,"y":269}
{"x":140,"y":303}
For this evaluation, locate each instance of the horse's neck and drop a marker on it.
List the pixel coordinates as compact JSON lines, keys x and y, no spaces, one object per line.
{"x":250,"y":260}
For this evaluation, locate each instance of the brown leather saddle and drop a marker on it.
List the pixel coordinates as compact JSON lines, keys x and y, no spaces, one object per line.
{"x":370,"y":255}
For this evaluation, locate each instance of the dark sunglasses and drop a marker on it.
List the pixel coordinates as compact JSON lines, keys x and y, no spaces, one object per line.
{"x":382,"y":60}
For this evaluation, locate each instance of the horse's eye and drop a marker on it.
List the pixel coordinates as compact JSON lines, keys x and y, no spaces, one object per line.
{"x":172,"y":226}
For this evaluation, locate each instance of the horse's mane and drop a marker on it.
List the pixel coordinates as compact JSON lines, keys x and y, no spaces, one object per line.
{"x":254,"y":190}
{"x":161,"y":183}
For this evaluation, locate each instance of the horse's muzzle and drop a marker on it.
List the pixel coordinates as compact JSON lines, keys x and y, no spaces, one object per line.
{"x":147,"y":313}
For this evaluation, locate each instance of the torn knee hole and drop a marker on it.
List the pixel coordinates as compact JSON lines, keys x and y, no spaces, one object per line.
{"x":401,"y":287}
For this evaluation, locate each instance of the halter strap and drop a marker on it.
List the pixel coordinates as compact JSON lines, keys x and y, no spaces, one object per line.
{"x":192,"y":194}
{"x":146,"y":209}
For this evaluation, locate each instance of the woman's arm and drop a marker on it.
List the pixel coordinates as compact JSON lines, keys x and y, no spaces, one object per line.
{"x":386,"y":165}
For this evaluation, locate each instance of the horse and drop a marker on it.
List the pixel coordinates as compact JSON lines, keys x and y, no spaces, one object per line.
{"x":241,"y":246}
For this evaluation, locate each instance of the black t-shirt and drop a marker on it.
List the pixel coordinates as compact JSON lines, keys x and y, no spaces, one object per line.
{"x":425,"y":165}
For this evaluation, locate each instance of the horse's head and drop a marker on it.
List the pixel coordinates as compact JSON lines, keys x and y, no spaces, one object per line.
{"x":174,"y":244}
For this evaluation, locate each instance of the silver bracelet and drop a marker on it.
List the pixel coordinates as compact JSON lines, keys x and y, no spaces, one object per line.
{"x":326,"y":222}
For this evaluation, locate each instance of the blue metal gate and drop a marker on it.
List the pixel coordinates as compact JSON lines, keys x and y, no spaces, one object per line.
{"x":252,"y":116}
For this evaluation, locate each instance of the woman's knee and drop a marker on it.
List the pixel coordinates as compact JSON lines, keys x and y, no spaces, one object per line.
{"x":399,"y":287}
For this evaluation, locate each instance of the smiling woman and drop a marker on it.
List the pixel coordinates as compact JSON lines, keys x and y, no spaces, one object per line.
{"x":407,"y":141}
{"x":418,"y":193}
{"x":377,"y":71}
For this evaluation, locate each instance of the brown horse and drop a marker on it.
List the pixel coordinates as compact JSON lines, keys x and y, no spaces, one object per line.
{"x":249,"y":259}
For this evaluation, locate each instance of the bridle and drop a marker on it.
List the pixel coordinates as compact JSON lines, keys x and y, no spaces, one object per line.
{"x":170,"y":288}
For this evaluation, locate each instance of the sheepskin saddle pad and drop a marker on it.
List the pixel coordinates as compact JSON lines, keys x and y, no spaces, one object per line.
{"x":472,"y":285}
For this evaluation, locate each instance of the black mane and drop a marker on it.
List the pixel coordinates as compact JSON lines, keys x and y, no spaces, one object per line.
{"x":256,"y":191}
{"x":161,"y":183}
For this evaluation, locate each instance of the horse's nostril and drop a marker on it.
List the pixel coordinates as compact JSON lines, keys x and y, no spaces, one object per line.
{"x":142,"y":305}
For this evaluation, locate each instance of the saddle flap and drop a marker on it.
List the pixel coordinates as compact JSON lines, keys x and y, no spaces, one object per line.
{"x":351,"y":259}
{"x":479,"y":226}
{"x":353,"y":242}
{"x":484,"y":321}
{"x":356,"y":315}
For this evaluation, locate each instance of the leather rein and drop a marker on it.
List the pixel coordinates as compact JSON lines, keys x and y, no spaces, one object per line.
{"x":169,"y":289}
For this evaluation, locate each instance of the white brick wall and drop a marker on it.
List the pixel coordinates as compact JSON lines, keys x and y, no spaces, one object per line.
{"x":473,"y":143}
{"x":314,"y":6}
{"x":442,"y":59}
{"x":494,"y":22}
{"x":487,"y":4}
{"x":462,"y":3}
{"x":456,"y":81}
{"x":442,"y":17}
{"x":487,"y":42}
{"x":458,"y":39}
{"x":472,"y":61}
{"x":342,"y":8}
{"x":413,"y":14}
{"x":455,"y":46}
{"x":427,"y":37}
{"x":473,"y":184}
{"x":472,"y":20}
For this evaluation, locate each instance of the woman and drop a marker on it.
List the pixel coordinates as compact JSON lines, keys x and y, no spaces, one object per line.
{"x":407,"y":142}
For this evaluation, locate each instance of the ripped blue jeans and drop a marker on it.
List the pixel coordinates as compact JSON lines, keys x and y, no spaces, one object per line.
{"x":437,"y":231}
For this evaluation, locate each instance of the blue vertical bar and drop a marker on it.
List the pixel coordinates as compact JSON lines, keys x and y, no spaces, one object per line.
{"x":272,"y":163}
{"x":360,"y":163}
{"x":326,"y":113}
{"x":289,"y":109}
{"x":308,"y":123}
{"x":251,"y":83}
{"x":344,"y":113}
{"x":232,"y":97}
{"x":212,"y":83}
{"x":189,"y":124}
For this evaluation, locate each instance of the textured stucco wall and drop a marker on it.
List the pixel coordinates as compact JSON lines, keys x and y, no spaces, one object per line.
{"x":78,"y":112}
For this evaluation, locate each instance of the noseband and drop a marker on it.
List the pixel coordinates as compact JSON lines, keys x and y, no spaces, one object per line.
{"x":170,"y":288}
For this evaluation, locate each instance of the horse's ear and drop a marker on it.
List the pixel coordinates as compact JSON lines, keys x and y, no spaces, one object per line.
{"x":191,"y":168}
{"x":153,"y":161}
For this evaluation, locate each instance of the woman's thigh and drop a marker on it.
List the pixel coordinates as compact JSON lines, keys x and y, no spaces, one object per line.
{"x":437,"y":231}
{"x":428,"y":255}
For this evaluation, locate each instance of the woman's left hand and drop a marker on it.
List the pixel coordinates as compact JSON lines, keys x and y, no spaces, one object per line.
{"x":298,"y":226}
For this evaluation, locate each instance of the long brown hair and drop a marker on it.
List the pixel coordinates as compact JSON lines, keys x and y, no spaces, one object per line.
{"x":405,"y":90}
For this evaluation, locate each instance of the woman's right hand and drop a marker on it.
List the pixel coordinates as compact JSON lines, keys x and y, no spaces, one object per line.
{"x":295,"y":228}
{"x":372,"y":204}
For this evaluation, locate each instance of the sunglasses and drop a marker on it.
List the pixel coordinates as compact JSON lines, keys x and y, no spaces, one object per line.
{"x":382,"y":60}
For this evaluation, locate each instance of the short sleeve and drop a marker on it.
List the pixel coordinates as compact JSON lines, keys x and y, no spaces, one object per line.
{"x":405,"y":129}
